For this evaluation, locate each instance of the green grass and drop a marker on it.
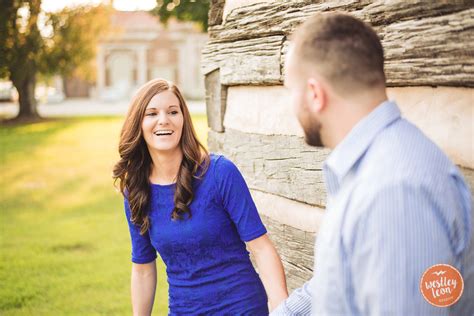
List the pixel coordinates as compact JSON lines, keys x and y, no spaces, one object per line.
{"x":65,"y":248}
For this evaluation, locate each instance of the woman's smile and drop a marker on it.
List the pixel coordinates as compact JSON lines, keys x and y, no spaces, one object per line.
{"x":162,"y":124}
{"x":166,"y":132}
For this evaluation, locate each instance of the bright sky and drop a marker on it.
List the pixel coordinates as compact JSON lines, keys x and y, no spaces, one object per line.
{"x":123,"y":5}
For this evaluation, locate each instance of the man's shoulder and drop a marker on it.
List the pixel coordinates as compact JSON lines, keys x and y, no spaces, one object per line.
{"x":402,"y":161}
{"x":403,"y":153}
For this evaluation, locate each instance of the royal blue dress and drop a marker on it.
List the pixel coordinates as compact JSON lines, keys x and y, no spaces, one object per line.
{"x":208,"y":267}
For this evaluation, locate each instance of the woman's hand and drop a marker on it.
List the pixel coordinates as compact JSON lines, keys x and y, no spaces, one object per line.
{"x":270,"y":269}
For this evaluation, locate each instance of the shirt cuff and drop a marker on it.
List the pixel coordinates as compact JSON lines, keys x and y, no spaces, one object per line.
{"x":280,"y":310}
{"x":144,"y":260}
{"x":254,"y":235}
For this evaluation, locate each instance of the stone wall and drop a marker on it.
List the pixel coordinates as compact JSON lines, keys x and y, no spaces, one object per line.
{"x":429,"y":49}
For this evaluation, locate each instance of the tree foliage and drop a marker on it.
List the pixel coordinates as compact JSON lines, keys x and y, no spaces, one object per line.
{"x":21,"y":43}
{"x":184,"y":10}
{"x":71,"y":48}
{"x":33,"y":42}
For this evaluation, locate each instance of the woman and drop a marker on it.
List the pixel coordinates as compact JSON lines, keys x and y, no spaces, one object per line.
{"x":196,"y":211}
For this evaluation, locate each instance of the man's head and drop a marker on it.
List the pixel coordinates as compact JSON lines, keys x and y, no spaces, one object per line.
{"x":333,"y":58}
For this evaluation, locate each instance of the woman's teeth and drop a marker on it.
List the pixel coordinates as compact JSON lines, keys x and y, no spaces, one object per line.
{"x":163,"y":133}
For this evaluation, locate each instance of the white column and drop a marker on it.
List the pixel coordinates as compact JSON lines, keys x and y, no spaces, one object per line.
{"x":184,"y":55}
{"x":142,"y":66}
{"x":100,"y":70}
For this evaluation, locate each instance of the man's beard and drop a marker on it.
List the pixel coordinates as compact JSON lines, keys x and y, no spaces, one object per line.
{"x":312,"y":132}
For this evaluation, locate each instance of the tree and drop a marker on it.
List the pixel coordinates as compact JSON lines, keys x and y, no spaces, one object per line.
{"x":184,"y":10}
{"x":20,"y":42}
{"x":73,"y":44}
{"x":65,"y":44}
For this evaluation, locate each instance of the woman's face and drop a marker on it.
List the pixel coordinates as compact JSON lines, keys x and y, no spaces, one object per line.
{"x":162,"y":124}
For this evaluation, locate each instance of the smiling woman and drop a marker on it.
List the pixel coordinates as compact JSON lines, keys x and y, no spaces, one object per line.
{"x":196,"y":210}
{"x":148,"y":156}
{"x":163,"y":122}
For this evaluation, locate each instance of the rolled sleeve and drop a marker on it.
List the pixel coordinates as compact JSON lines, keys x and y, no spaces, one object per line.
{"x":297,"y":304}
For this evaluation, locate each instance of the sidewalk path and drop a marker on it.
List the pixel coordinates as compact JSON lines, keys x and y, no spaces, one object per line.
{"x":86,"y":107}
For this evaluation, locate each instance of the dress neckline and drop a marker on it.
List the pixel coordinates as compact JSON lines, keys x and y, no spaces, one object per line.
{"x":163,"y":186}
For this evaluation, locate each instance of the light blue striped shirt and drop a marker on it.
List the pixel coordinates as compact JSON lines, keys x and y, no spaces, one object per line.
{"x":396,"y":206}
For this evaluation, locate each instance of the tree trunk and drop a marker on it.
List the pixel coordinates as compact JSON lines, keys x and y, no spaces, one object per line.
{"x":26,"y":94}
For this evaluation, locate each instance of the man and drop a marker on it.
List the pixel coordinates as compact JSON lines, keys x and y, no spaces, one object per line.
{"x":396,"y":204}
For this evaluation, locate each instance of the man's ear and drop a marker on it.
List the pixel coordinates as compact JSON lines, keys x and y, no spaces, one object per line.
{"x":317,"y":97}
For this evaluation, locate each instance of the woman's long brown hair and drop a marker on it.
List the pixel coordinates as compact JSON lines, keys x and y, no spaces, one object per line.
{"x":133,"y":168}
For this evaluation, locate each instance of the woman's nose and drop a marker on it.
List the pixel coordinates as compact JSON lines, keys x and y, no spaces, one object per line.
{"x":162,"y":119}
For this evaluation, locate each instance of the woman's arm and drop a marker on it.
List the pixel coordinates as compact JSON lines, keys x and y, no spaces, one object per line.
{"x":143,"y":288}
{"x":270,"y":269}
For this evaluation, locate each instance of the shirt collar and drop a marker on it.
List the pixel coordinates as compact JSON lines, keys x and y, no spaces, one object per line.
{"x":356,"y":143}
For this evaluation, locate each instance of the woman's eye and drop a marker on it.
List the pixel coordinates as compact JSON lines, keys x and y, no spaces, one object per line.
{"x":174,"y":112}
{"x":151,"y":114}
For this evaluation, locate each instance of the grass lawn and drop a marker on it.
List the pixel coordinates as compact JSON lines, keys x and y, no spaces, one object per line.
{"x":65,"y":248}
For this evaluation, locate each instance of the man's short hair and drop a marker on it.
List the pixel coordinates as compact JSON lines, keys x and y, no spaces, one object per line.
{"x":342,"y":49}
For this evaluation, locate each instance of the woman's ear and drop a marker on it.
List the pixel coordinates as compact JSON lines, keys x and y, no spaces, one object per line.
{"x":316,"y":95}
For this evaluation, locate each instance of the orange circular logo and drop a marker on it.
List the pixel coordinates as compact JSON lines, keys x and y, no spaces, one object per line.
{"x":442,"y":285}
